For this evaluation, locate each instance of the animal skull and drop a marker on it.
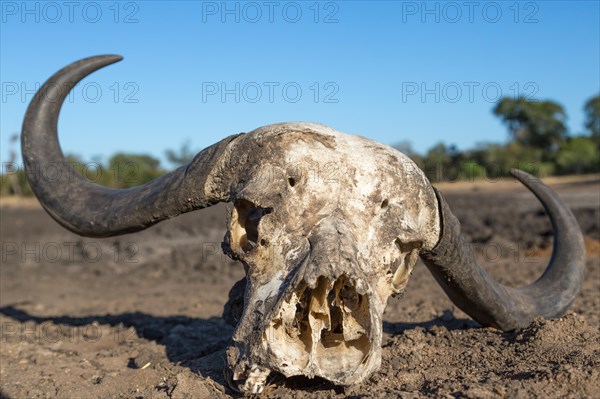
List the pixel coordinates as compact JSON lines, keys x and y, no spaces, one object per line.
{"x":327,"y":225}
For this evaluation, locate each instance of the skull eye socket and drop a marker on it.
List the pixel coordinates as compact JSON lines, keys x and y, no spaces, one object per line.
{"x":245,"y":221}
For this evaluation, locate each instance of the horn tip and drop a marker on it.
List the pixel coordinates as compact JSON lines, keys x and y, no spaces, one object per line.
{"x":99,"y":60}
{"x":111,"y":57}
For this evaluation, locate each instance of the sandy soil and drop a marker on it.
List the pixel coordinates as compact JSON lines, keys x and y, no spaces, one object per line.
{"x":139,"y":316}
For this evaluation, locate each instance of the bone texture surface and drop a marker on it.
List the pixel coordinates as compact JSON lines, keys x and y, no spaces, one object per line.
{"x":328,"y":225}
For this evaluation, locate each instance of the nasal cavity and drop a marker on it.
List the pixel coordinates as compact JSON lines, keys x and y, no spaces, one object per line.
{"x":245,"y":221}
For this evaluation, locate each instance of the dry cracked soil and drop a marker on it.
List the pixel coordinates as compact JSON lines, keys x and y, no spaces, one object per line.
{"x":139,"y":316}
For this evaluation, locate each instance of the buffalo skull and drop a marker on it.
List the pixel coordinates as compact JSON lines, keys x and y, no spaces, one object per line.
{"x":328,"y":226}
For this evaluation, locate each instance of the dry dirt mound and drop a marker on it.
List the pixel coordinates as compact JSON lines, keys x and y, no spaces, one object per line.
{"x":548,"y":359}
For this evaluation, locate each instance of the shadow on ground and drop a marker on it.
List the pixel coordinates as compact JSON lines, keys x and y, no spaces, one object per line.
{"x":186,"y":339}
{"x":199,"y":344}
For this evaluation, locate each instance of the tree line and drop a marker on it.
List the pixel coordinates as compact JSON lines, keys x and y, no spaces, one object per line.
{"x":539,"y":142}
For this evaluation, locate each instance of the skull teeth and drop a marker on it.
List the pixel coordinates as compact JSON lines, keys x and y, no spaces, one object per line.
{"x":323,"y":330}
{"x":256,"y":380}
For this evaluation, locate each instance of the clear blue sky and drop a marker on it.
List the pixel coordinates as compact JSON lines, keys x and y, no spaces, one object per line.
{"x":362,"y":67}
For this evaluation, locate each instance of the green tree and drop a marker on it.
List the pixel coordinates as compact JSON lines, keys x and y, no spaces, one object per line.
{"x":578,"y":155}
{"x":539,"y":124}
{"x":12,"y":158}
{"x":128,"y":170}
{"x":592,"y":117}
{"x":499,"y":159}
{"x":442,"y":162}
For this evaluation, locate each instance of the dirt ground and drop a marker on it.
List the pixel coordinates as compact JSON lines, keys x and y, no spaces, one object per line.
{"x":139,"y":316}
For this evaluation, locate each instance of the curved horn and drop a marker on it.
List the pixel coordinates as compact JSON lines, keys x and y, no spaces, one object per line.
{"x":90,"y":209}
{"x":490,"y":303}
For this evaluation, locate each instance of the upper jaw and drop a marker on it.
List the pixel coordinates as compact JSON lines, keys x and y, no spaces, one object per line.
{"x":324,"y":325}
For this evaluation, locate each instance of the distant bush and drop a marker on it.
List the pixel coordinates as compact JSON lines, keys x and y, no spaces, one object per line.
{"x":499,"y":159}
{"x":121,"y":171}
{"x":14,"y":182}
{"x":578,"y":155}
{"x":471,"y":170}
{"x":129,"y":170}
